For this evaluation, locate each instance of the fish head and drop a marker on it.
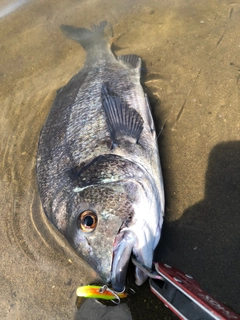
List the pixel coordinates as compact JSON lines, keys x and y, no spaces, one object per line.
{"x":110,"y":222}
{"x":139,"y":236}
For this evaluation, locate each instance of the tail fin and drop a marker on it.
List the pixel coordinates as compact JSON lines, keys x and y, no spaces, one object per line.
{"x":86,"y":37}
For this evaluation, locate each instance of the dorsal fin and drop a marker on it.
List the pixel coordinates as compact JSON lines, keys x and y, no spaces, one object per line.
{"x":121,"y":119}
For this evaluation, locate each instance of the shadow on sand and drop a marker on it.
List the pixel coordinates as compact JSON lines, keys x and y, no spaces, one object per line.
{"x":205,"y":241}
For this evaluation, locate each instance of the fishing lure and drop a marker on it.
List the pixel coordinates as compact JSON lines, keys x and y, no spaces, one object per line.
{"x":100,"y":292}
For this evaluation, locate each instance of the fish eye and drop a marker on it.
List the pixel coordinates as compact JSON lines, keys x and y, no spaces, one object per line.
{"x":87,"y":221}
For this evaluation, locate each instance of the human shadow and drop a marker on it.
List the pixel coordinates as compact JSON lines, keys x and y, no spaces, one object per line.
{"x":205,"y":241}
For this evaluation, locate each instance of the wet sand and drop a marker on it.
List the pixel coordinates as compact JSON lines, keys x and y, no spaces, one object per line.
{"x":191,"y":54}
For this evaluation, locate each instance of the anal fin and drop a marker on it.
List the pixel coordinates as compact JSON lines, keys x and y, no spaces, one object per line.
{"x":121,"y":119}
{"x":130,"y":60}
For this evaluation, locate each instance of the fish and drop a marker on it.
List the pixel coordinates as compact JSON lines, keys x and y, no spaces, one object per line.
{"x":98,"y":167}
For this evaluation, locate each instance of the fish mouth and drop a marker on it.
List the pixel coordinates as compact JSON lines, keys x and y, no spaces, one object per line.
{"x":124,"y":246}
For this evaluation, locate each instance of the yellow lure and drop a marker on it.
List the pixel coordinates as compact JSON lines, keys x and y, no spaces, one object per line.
{"x":99,"y":292}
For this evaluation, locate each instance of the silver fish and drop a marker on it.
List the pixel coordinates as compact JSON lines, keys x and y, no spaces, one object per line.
{"x":98,"y":166}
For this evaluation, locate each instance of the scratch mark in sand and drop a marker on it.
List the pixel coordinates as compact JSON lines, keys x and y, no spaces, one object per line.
{"x":185,"y":101}
{"x":190,"y":90}
{"x":224,"y":32}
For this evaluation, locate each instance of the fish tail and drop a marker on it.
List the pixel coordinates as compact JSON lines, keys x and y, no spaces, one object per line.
{"x":87,"y":37}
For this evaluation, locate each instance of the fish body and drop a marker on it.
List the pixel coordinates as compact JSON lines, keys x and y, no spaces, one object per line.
{"x":98,"y":166}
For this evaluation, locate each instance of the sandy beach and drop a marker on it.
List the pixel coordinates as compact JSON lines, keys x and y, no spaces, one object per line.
{"x":191,"y":72}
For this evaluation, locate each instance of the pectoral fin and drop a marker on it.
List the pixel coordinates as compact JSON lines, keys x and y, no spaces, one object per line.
{"x":121,"y":119}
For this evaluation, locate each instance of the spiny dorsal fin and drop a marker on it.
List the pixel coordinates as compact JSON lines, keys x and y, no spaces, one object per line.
{"x":121,"y":119}
{"x":131,"y":60}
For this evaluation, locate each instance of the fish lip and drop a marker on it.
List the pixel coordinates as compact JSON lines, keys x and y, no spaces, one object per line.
{"x":123,"y":247}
